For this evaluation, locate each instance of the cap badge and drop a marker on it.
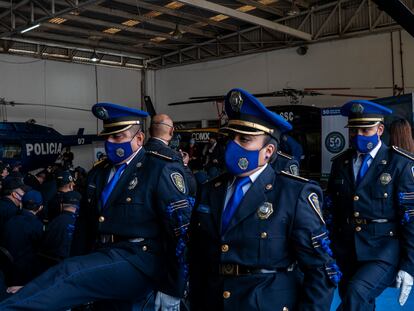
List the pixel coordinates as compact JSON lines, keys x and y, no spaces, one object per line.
{"x":385,"y":178}
{"x":243,"y":163}
{"x":357,"y":108}
{"x":265,"y":210}
{"x":120,"y":152}
{"x":102,"y":113}
{"x":236,"y":101}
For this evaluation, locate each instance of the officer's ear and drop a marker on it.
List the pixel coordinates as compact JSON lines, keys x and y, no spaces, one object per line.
{"x":380,"y":129}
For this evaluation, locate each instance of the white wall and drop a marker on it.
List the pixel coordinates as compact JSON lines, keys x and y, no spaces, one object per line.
{"x":43,"y":82}
{"x":363,"y":62}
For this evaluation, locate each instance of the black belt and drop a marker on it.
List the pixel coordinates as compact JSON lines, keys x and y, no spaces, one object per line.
{"x":364,"y":221}
{"x":112,"y":238}
{"x":229,"y":269}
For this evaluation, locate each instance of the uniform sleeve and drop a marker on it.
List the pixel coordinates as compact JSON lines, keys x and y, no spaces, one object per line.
{"x":311,"y":245}
{"x":406,"y":205}
{"x":175,"y":209}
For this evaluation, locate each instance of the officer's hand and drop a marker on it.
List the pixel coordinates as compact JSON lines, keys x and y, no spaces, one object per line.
{"x":164,"y":302}
{"x":404,"y":281}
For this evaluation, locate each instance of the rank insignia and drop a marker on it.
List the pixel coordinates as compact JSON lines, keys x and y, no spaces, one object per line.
{"x":385,"y":178}
{"x":243,"y":163}
{"x":133,"y":183}
{"x":314,"y":202}
{"x":178,"y":181}
{"x":265,"y":210}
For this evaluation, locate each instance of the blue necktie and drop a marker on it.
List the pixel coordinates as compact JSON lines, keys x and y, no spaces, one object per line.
{"x":234,"y":202}
{"x":112,"y":183}
{"x":364,"y":167}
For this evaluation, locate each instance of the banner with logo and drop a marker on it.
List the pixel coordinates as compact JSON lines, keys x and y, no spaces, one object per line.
{"x":334,"y":137}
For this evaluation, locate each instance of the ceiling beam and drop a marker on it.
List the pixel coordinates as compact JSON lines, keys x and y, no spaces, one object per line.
{"x":179,"y":14}
{"x":262,"y":7}
{"x":91,"y":44}
{"x":112,"y":37}
{"x":150,"y":20}
{"x":206,"y":5}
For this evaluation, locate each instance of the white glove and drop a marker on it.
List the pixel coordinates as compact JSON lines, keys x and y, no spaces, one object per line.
{"x":404,"y":280}
{"x":164,"y":302}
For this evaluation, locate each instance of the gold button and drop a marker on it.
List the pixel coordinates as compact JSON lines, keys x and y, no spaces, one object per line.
{"x":269,"y":186}
{"x":285,"y":309}
{"x":385,"y":195}
{"x":217,"y":184}
{"x":144,"y":248}
{"x":357,"y":229}
{"x":224,"y":248}
{"x":263,"y":235}
{"x":391,"y":233}
{"x":128,"y":199}
{"x":356,"y":214}
{"x":356,"y":198}
{"x":101,"y":219}
{"x":139,"y":164}
{"x":226,"y":294}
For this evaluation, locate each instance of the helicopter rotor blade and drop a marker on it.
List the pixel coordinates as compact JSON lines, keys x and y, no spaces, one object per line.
{"x":11,"y":103}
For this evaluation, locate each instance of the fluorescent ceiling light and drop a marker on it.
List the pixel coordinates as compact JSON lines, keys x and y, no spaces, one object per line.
{"x":30,"y":28}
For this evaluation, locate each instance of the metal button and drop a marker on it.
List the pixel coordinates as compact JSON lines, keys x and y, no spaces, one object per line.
{"x":139,"y":164}
{"x":385,"y":195}
{"x":226,"y":294}
{"x":356,"y":214}
{"x":224,"y":248}
{"x":391,"y":233}
{"x":217,"y":184}
{"x":128,"y":199}
{"x":263,"y":235}
{"x":357,"y":229}
{"x":285,"y":309}
{"x":144,"y":248}
{"x":101,"y":219}
{"x":356,"y":198}
{"x":269,"y":186}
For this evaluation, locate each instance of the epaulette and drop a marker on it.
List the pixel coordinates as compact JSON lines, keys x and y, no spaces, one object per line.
{"x":294,"y":176}
{"x":403,"y":152}
{"x":285,"y":155}
{"x":339,"y":155}
{"x":162,"y":156}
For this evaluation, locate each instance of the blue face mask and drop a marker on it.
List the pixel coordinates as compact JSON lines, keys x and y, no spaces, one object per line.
{"x":118,"y":152}
{"x":239,"y":160}
{"x":365,"y":144}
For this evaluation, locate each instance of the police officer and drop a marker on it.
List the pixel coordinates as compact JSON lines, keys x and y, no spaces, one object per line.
{"x":13,"y":191}
{"x":251,"y":225}
{"x":162,"y":131}
{"x":21,"y":236}
{"x":65,"y":183}
{"x":371,"y":190}
{"x":58,"y":237}
{"x":133,"y":228}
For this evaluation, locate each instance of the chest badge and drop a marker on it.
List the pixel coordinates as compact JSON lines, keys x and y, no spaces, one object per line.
{"x":385,"y":178}
{"x":133,"y":183}
{"x":265,"y":210}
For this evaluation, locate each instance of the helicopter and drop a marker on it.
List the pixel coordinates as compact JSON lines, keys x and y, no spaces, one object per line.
{"x":33,"y":145}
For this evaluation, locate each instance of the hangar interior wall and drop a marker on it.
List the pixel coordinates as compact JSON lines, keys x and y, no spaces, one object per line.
{"x":363,"y":64}
{"x":44,"y":82}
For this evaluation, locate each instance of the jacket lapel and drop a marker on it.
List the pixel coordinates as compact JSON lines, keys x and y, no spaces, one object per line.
{"x":126,"y":177}
{"x":218,"y":194}
{"x":254,"y":197}
{"x":377,"y":166}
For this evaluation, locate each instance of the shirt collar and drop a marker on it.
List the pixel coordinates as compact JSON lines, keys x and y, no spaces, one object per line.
{"x":256,"y":174}
{"x":133,"y":156}
{"x":161,"y":140}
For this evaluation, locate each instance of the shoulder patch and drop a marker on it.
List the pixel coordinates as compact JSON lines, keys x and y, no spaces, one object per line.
{"x":341,"y":154}
{"x":313,"y":200}
{"x":294,"y":176}
{"x":403,"y":152}
{"x":285,"y":155}
{"x":162,"y":156}
{"x":178,"y":181}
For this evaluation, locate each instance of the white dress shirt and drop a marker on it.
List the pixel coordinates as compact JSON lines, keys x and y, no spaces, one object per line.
{"x":357,"y":162}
